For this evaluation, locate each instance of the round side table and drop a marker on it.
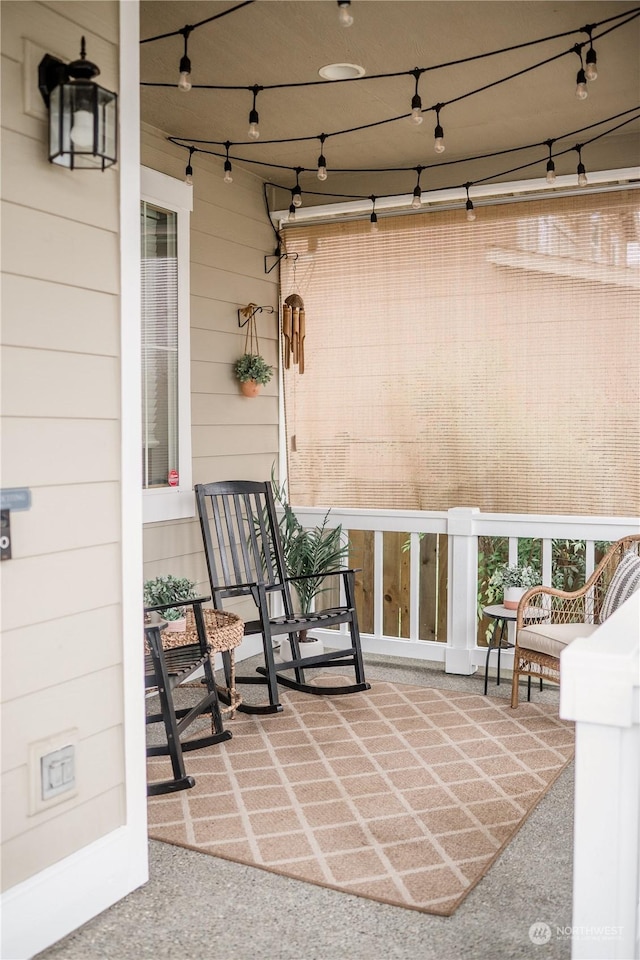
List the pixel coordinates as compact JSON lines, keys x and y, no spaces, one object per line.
{"x":500,"y":634}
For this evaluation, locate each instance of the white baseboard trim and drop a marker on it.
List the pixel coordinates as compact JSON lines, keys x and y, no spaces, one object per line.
{"x":46,"y":907}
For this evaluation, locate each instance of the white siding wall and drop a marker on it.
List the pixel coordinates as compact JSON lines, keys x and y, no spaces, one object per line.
{"x":233,"y":437}
{"x":71,"y":617}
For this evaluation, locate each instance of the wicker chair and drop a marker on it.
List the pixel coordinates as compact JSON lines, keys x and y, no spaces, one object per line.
{"x":549,"y":619}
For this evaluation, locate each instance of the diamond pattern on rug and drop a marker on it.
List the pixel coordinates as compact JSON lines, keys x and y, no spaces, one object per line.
{"x":402,"y":794}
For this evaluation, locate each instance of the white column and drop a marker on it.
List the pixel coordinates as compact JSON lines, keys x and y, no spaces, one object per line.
{"x":600,"y":690}
{"x":463,"y":590}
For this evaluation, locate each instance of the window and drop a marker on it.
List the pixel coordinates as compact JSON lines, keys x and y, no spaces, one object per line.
{"x":492,"y":364}
{"x":166,"y":407}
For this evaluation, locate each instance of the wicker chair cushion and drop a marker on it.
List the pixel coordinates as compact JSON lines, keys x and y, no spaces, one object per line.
{"x":552,"y":638}
{"x":624,"y":582}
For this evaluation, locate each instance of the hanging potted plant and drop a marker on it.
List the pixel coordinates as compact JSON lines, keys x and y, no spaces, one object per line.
{"x":252,"y":371}
{"x":514,"y":582}
{"x":170,"y":589}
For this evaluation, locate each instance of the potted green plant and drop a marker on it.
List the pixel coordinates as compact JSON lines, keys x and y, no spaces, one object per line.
{"x":252,"y":371}
{"x":170,"y":589}
{"x":311,"y":553}
{"x":514,"y":581}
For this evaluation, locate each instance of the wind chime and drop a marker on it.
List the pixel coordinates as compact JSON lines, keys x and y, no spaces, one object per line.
{"x":293,"y":331}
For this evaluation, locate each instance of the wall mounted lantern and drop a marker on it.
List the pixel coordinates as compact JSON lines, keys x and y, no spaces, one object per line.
{"x":83,"y":116}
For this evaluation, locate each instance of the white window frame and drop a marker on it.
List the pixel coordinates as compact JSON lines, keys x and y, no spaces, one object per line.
{"x":175,"y":503}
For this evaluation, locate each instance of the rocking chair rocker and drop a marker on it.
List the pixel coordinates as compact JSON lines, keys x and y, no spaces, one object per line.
{"x":245,"y":558}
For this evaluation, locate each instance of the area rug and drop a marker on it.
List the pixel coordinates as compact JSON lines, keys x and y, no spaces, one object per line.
{"x":403,"y":794}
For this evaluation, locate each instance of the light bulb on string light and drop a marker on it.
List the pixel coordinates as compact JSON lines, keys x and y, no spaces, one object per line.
{"x":292,"y":213}
{"x":591,"y":59}
{"x":438,"y":133}
{"x":416,"y":203}
{"x":581,"y":171}
{"x":581,"y":77}
{"x":228,"y":177}
{"x":551,"y":167}
{"x":415,"y":116}
{"x":345,"y":17}
{"x":296,"y":193}
{"x":184,"y":82}
{"x":322,"y":163}
{"x":471,"y":213}
{"x":254,"y":133}
{"x":188,"y":173}
{"x":373,"y":219}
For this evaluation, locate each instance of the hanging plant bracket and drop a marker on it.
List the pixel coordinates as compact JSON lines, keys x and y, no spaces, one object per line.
{"x":245,"y":314}
{"x":277,"y":257}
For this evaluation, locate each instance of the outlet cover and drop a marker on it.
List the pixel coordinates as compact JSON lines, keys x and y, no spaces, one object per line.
{"x":52,"y":770}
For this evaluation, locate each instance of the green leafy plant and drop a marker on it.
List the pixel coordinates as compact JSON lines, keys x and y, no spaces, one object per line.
{"x":251,"y":366}
{"x":168,"y":589}
{"x":318,"y":550}
{"x":512,"y":575}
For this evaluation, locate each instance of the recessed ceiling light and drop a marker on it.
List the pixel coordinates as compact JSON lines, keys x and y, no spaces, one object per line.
{"x":341,"y":71}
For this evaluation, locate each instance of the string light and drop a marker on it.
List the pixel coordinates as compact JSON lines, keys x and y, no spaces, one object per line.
{"x":184,"y":83}
{"x":591,"y":70}
{"x":344,"y":13}
{"x":374,"y":217}
{"x":292,"y":213}
{"x":253,"y":132}
{"x":581,"y":77}
{"x":416,"y":203}
{"x":322,"y":163}
{"x":551,"y":167}
{"x":228,"y":178}
{"x":416,"y":102}
{"x":296,"y":193}
{"x":471,"y":214}
{"x":582,"y":173}
{"x":188,"y":173}
{"x":438,"y":133}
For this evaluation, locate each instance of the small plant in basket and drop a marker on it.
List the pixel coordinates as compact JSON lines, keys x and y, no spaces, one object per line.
{"x":169,"y":589}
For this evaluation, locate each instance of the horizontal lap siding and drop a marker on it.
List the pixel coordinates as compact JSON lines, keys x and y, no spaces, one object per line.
{"x":61,"y":615}
{"x":232,"y":437}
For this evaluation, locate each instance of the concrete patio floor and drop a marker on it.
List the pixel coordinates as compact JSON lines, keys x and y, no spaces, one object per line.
{"x":204,"y":908}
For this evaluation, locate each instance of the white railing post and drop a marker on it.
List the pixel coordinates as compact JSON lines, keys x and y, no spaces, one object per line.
{"x":463,"y":590}
{"x":600,"y":690}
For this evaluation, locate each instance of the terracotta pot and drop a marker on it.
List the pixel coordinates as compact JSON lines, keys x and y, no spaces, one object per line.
{"x":250,"y":388}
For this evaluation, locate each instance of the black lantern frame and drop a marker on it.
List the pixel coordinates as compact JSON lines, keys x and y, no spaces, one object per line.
{"x":83,"y":116}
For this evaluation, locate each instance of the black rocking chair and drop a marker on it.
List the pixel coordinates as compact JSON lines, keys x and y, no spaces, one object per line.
{"x":244,"y":558}
{"x":165,"y":669}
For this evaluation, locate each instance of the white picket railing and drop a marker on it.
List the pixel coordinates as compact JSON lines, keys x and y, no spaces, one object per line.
{"x":463,"y":526}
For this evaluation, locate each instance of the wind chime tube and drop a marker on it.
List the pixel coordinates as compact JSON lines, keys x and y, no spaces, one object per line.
{"x":287,"y":330}
{"x":301,"y":347}
{"x":295,"y":339}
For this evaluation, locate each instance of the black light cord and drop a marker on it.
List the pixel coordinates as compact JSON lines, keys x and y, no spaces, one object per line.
{"x":441,"y":163}
{"x":377,"y":123}
{"x":631,"y":14}
{"x":194,"y":26}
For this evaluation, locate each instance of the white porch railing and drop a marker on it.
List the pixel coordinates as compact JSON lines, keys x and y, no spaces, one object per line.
{"x":463,"y":526}
{"x":600,"y":691}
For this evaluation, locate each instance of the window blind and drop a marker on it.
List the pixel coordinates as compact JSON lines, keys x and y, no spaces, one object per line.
{"x":490,"y":364}
{"x":159,"y":282}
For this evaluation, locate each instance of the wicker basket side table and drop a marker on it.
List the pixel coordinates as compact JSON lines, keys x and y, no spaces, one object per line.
{"x":225,"y":632}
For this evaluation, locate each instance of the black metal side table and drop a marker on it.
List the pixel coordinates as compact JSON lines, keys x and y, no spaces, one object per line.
{"x":499,"y":639}
{"x":500,"y":636}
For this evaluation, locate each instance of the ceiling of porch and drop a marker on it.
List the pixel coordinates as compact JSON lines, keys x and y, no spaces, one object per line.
{"x":286,"y":41}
